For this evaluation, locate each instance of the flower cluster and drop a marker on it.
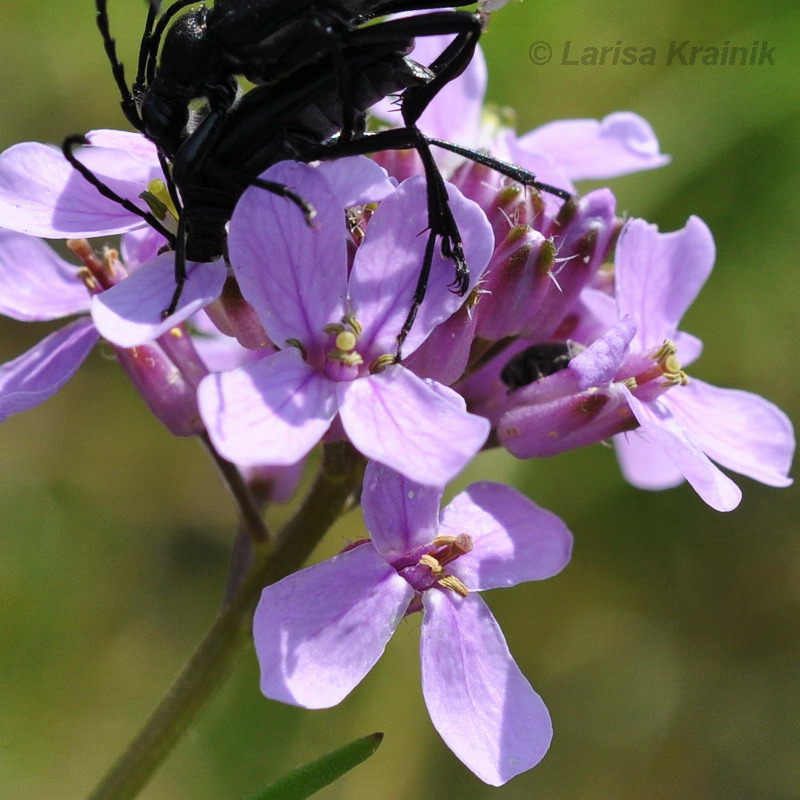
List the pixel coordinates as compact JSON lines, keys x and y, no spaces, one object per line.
{"x":567,"y":336}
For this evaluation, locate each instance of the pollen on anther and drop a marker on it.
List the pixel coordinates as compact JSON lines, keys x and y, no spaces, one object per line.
{"x":429,"y":561}
{"x":451,"y":582}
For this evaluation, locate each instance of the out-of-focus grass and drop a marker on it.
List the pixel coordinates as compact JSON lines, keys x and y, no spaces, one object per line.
{"x":667,"y":651}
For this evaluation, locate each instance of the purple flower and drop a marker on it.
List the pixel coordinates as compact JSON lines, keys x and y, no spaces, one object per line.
{"x":38,"y":285}
{"x":319,"y":631}
{"x":632,"y":378}
{"x":42,"y":195}
{"x":658,"y":277}
{"x":338,"y":324}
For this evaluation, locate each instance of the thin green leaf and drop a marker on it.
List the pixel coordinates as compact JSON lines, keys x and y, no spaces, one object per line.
{"x":309,"y":779}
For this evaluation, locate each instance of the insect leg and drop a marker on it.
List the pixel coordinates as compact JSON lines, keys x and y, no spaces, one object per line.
{"x":79,"y":139}
{"x":518,"y":174}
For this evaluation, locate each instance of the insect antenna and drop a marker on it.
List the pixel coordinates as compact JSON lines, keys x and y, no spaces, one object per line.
{"x":128,"y":103}
{"x":144,"y":46}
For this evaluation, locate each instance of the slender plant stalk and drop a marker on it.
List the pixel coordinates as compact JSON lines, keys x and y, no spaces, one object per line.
{"x":250,"y":514}
{"x":339,"y":476}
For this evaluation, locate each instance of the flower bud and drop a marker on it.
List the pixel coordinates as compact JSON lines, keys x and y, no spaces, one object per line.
{"x":166,"y":373}
{"x":514,"y":284}
{"x":505,"y":204}
{"x":553,"y":415}
{"x":582,"y":245}
{"x":234,"y":316}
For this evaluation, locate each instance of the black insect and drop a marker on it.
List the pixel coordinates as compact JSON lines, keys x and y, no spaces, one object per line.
{"x":319,"y":71}
{"x":204,"y":50}
{"x":537,"y":362}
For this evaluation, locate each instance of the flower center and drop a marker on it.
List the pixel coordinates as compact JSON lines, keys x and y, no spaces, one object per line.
{"x":346,"y":335}
{"x":429,"y":571}
{"x":665,"y":366}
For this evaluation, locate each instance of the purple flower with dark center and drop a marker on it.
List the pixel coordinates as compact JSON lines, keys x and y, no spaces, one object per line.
{"x":319,"y":631}
{"x":339,"y":326}
{"x":632,"y":378}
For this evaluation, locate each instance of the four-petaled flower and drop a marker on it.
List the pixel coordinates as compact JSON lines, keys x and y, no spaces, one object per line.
{"x":630,"y":380}
{"x":339,"y":327}
{"x":319,"y":631}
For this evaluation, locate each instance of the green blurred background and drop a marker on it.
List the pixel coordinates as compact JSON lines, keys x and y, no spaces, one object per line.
{"x":668,"y":652}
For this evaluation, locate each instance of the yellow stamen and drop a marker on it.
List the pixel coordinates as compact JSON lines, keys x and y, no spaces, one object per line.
{"x":349,"y":359}
{"x":666,"y":356}
{"x":353,"y":323}
{"x":381,"y":362}
{"x":429,"y":561}
{"x":451,"y":582}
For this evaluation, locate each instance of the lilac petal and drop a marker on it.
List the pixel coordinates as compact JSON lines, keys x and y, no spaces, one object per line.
{"x":356,"y":181}
{"x":133,"y":145}
{"x":140,"y":246}
{"x":455,"y":113}
{"x":319,"y":631}
{"x":35,"y":283}
{"x":602,"y":306}
{"x":618,"y":144}
{"x":38,"y":374}
{"x":658,"y":275}
{"x":479,"y":701}
{"x":585,"y":242}
{"x":387,"y":266}
{"x":400,"y":515}
{"x":514,"y":540}
{"x":542,"y":165}
{"x":690,"y":348}
{"x":740,"y":430}
{"x":270,"y":412}
{"x":132,"y":312}
{"x":294,"y":275}
{"x":41,"y":194}
{"x":660,"y":428}
{"x":444,"y":355}
{"x":399,"y":420}
{"x":218,"y":352}
{"x":599,"y":362}
{"x":644,"y":464}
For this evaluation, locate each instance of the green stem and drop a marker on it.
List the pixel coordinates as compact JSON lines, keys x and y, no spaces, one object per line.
{"x":249,"y":512}
{"x":339,"y":476}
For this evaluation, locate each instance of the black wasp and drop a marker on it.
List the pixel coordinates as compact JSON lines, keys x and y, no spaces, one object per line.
{"x":317,"y":69}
